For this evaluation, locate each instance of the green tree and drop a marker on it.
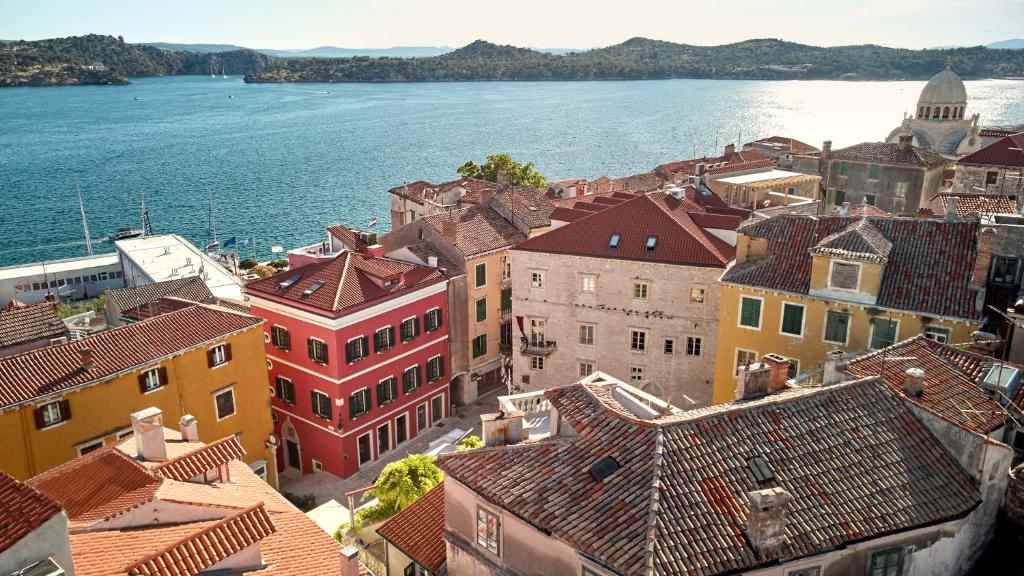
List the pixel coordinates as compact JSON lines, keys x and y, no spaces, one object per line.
{"x":469,"y":443}
{"x":96,"y":305}
{"x":400,"y":484}
{"x":519,"y":174}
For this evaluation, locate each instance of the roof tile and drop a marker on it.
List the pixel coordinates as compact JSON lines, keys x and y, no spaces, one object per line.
{"x":30,"y":322}
{"x":23,"y":509}
{"x":417,"y":530}
{"x":889,"y":153}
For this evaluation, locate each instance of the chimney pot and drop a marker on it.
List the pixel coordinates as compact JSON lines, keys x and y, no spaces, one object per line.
{"x":778,"y":372}
{"x":844,"y":210}
{"x":833,"y":373}
{"x":375,"y":251}
{"x":148,"y":428}
{"x":951,"y":206}
{"x":189,"y":428}
{"x":766,"y":521}
{"x":913,"y":382}
{"x":432,"y":261}
{"x":349,"y":561}
{"x":85,"y":358}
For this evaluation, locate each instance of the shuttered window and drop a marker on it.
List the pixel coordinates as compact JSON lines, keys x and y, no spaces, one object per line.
{"x":481,"y":310}
{"x":432,"y":320}
{"x":481,"y":275}
{"x":317,"y":350}
{"x":480,"y":346}
{"x":387,"y":391}
{"x":412,"y":377}
{"x":357,"y":349}
{"x":750,"y":312}
{"x":359,"y":403}
{"x":321,"y":405}
{"x":152,"y":379}
{"x":284,"y":390}
{"x":409,"y":329}
{"x":435,"y":368}
{"x":844,"y":275}
{"x":52,"y":414}
{"x":218,"y":355}
{"x":837,"y":324}
{"x":792,"y":319}
{"x":280,"y":338}
{"x":384,"y":339}
{"x":883,"y":332}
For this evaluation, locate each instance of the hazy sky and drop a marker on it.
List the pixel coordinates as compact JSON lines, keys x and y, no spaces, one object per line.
{"x":537,"y":23}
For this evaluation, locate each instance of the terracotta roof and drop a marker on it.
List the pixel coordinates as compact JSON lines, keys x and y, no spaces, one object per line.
{"x":30,"y":322}
{"x":477,"y":229}
{"x":208,"y":546}
{"x":633,"y":184}
{"x":157,"y":307}
{"x":858,"y":241}
{"x":738,"y":161}
{"x":98,"y":486}
{"x":855,"y":460}
{"x":346,"y":235}
{"x":970,"y":205}
{"x":862,"y":210}
{"x":785,"y":144}
{"x":202,"y":459}
{"x":951,"y":391}
{"x":929,"y":268}
{"x":529,"y":206}
{"x":889,"y":153}
{"x":412,"y":190}
{"x":417,"y":530}
{"x":23,"y":509}
{"x":191,"y":288}
{"x":38,"y":373}
{"x":680,"y":240}
{"x":350,"y":281}
{"x":608,"y":199}
{"x":421,"y":188}
{"x":423,"y":250}
{"x":996,"y":133}
{"x":999,"y":153}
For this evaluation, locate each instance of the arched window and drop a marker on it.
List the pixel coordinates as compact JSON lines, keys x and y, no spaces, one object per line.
{"x":945,"y":112}
{"x":936,"y":112}
{"x":920,"y":112}
{"x":928,"y":112}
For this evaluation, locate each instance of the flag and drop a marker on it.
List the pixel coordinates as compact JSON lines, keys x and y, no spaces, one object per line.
{"x":373,"y":221}
{"x":228,"y":243}
{"x":212,"y":245}
{"x":245,"y":242}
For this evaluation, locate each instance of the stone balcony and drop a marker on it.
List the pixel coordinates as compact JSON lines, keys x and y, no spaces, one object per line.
{"x":538,"y":347}
{"x":505,"y":314}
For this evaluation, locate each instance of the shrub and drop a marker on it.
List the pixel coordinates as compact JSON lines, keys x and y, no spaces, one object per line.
{"x":280,"y":263}
{"x":247,"y":263}
{"x":469,"y":443}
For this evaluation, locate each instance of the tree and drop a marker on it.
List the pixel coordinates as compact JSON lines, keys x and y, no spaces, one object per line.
{"x":247,"y":263}
{"x":400,"y":484}
{"x":469,"y":443}
{"x":519,"y":174}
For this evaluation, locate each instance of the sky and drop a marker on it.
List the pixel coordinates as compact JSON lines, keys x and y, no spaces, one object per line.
{"x":287,"y":24}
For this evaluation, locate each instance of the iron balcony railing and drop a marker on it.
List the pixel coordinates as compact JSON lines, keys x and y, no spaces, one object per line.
{"x":538,"y":347}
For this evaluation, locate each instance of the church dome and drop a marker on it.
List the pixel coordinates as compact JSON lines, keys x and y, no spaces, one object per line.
{"x":944,"y":88}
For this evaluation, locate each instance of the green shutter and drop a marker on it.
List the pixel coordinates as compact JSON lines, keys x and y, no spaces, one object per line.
{"x":750,"y":312}
{"x":506,"y":299}
{"x":873,"y":172}
{"x":840,"y":197}
{"x":481,"y":310}
{"x":836,"y":324}
{"x":481,"y":275}
{"x":842,"y":168}
{"x":792,"y":319}
{"x":883,"y":332}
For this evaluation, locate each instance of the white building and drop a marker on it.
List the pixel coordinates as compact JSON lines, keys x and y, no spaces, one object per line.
{"x":168,"y":257}
{"x":940,"y":124}
{"x":69,"y":279}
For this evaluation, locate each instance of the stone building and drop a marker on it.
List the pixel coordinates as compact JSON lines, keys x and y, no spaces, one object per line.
{"x":940,"y":125}
{"x":412,"y":201}
{"x":629,"y":290}
{"x":896,"y":177}
{"x":782,"y":148}
{"x":995,"y":169}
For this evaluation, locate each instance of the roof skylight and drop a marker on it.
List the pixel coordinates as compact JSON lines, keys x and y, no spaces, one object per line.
{"x":613,"y":242}
{"x":291,"y":280}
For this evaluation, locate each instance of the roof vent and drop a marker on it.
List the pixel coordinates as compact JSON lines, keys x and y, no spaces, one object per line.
{"x":913,"y":382}
{"x":312,"y":288}
{"x":652,"y":242}
{"x":613,"y":242}
{"x":762,"y":472}
{"x":604,"y":468}
{"x":85,"y":358}
{"x":291,"y":280}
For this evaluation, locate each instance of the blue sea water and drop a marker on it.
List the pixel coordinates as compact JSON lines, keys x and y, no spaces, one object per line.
{"x":283,"y":161}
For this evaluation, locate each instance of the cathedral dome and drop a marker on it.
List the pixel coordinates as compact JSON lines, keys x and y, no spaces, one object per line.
{"x":944,"y":88}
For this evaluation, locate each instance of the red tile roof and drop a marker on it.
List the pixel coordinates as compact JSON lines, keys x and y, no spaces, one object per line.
{"x":348,"y":282}
{"x":929,"y":268}
{"x":786,"y":144}
{"x":738,"y":161}
{"x":970,"y":205}
{"x":208,"y":546}
{"x":678,"y":503}
{"x":421,"y":189}
{"x":996,"y":133}
{"x":475,"y":230}
{"x":30,"y":322}
{"x":862,"y":210}
{"x":45,"y":371}
{"x":23,"y":509}
{"x":858,"y":241}
{"x":346,"y":235}
{"x":889,"y":153}
{"x":950,"y":390}
{"x":680,"y":239}
{"x":191,"y":288}
{"x":417,"y":530}
{"x":999,"y":153}
{"x":202,"y":459}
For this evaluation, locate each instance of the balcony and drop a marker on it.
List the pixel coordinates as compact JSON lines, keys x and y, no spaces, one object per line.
{"x":506,"y":281}
{"x":538,"y":347}
{"x":505,"y":314}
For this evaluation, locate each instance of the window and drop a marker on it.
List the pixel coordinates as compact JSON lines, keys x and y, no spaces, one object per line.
{"x":669,"y":346}
{"x":317,"y":350}
{"x":410,"y":328}
{"x":813,"y":571}
{"x":219,"y":355}
{"x":387,"y":391}
{"x":694,"y":345}
{"x":588,"y":284}
{"x":873,"y":172}
{"x":991,"y":178}
{"x":536,"y":362}
{"x":538,"y":328}
{"x":480,"y":346}
{"x":152,"y":379}
{"x":842,"y":168}
{"x":840,"y":197}
{"x":384,"y":338}
{"x":750,"y":312}
{"x":587,"y":334}
{"x":506,"y":268}
{"x":652,"y":243}
{"x":321,"y":405}
{"x":506,"y":334}
{"x":586,"y":369}
{"x":356,"y":349}
{"x":435,"y":368}
{"x":837,"y":325}
{"x":886,"y":562}
{"x":899,"y":195}
{"x":613,"y":241}
{"x":744,"y":358}
{"x":481,"y":310}
{"x":1004,"y":269}
{"x":869,"y":199}
{"x":284,"y":390}
{"x":432,"y":320}
{"x":636,"y":374}
{"x":280,"y":338}
{"x":90,"y":447}
{"x":412,"y":377}
{"x":696,"y":295}
{"x":481,"y":275}
{"x":883,"y":332}
{"x":488,"y":530}
{"x":383,"y":438}
{"x":637,"y":340}
{"x":794,"y":368}
{"x":225,"y":403}
{"x":52,"y":414}
{"x":937,"y":333}
{"x":359,"y":403}
{"x":640,"y":290}
{"x":844,"y":276}
{"x":537,"y":279}
{"x":792,"y":319}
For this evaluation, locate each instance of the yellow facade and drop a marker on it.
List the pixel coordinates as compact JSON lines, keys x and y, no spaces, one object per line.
{"x":100,"y":411}
{"x":494,"y":263}
{"x":810,"y":348}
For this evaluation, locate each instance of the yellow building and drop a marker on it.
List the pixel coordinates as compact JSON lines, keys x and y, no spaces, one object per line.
{"x":802,"y":286}
{"x":60,"y":402}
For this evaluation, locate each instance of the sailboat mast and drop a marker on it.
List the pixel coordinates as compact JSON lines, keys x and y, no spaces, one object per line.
{"x":85,"y":223}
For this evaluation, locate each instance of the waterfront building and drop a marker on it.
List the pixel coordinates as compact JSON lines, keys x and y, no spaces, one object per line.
{"x":995,"y":169}
{"x":357,"y":351}
{"x":410,"y":202}
{"x":802,"y":286}
{"x":782,"y":148}
{"x":731,"y":162}
{"x":160,"y":502}
{"x":142,"y":300}
{"x":758,"y":190}
{"x":897,"y":177}
{"x":150,"y":259}
{"x":67,"y":279}
{"x":71,"y":399}
{"x":940,"y":125}
{"x":599,"y":478}
{"x":630,"y":290}
{"x":30,"y":326}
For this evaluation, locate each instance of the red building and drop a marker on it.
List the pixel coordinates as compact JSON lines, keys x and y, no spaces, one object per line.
{"x":357,"y":350}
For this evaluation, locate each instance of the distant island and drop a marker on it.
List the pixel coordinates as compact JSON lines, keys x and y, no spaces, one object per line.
{"x":96,"y":59}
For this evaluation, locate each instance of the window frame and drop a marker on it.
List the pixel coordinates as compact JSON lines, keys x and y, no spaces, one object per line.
{"x":414,"y":323}
{"x":386,"y":424}
{"x":887,"y":552}
{"x":219,"y":355}
{"x":536,"y":362}
{"x":537,"y":279}
{"x":591,"y":367}
{"x":480,"y":307}
{"x":280,"y":390}
{"x":668,"y":346}
{"x":641,"y":290}
{"x":947,"y":333}
{"x":81,"y":448}
{"x":874,"y":324}
{"x":438,"y":361}
{"x":874,"y":172}
{"x":364,"y":349}
{"x":366,"y":400}
{"x":147,"y":388}
{"x":846,"y":335}
{"x":313,"y":343}
{"x":429,"y":316}
{"x":636,"y":374}
{"x":480,"y":269}
{"x":216,"y":405}
{"x":588,"y":279}
{"x":322,"y":399}
{"x":760,"y":312}
{"x":638,"y":340}
{"x":736,"y":359}
{"x":803,"y":319}
{"x":275,"y":338}
{"x":486,"y":516}
{"x":591,"y":328}
{"x":392,"y":390}
{"x":388,"y":333}
{"x":703,"y":295}
{"x":414,"y":369}
{"x":695,"y":343}
{"x":477,"y":350}
{"x":831,"y":272}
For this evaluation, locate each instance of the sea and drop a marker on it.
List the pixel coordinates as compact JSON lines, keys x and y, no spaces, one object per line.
{"x":282,"y":161}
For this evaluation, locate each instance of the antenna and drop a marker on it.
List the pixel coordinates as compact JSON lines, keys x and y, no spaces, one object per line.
{"x":147,"y":227}
{"x":85,"y":223}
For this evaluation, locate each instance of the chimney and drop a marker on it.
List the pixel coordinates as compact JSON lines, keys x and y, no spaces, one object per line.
{"x":766,"y":520}
{"x":833,"y":371}
{"x":951,"y":214}
{"x":148,"y":427}
{"x":844,"y":210}
{"x":925,"y":213}
{"x":730,"y":149}
{"x":486,"y":196}
{"x":448,"y":226}
{"x":913,"y":382}
{"x":350,"y":561}
{"x":375,"y":251}
{"x":826,"y":155}
{"x":778,"y":372}
{"x":752,"y":381}
{"x":502,"y":428}
{"x":502,"y":178}
{"x":432,"y":261}
{"x":701,"y":169}
{"x":907,"y":141}
{"x":85,"y":358}
{"x":983,"y":262}
{"x":189,"y":429}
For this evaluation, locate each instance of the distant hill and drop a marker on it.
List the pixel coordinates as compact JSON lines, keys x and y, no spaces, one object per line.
{"x":331,"y":51}
{"x":1015,"y":44}
{"x":194,"y":47}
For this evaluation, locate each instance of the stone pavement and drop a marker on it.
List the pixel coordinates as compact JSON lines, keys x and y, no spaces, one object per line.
{"x":325,"y":486}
